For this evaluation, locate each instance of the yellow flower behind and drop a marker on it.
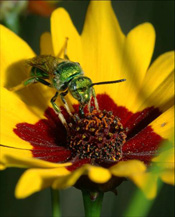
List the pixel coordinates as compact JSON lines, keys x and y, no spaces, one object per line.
{"x":104,"y":53}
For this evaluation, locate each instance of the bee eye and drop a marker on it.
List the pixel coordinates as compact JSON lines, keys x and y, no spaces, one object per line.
{"x":83,"y":89}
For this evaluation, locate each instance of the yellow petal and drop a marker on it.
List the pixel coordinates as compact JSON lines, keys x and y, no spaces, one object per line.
{"x":46,"y":47}
{"x":13,"y":51}
{"x":96,"y":174}
{"x":14,"y":70}
{"x":163,"y":96}
{"x":70,"y":179}
{"x":135,"y":171}
{"x":13,"y":153}
{"x":137,"y":55}
{"x":90,"y":50}
{"x":102,"y":44}
{"x":164,"y":124}
{"x":161,"y":68}
{"x":13,"y":111}
{"x":167,"y":176}
{"x":2,"y":166}
{"x":11,"y":157}
{"x":158,"y":80}
{"x":165,"y":159}
{"x":163,"y":168}
{"x":147,"y":182}
{"x":99,"y":174}
{"x":34,"y":180}
{"x":128,"y":168}
{"x":165,"y":162}
{"x":62,"y":28}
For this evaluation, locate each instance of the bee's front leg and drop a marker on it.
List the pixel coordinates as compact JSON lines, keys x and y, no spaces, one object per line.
{"x":95,"y":99}
{"x":81,"y":110}
{"x":65,"y":102}
{"x":57,"y":110}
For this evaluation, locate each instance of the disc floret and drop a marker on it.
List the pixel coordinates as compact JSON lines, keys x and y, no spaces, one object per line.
{"x":99,"y":135}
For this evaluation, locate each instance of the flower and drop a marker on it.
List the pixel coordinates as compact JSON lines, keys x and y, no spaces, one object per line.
{"x":34,"y":137}
{"x":12,"y":11}
{"x":43,"y":8}
{"x":8,"y":8}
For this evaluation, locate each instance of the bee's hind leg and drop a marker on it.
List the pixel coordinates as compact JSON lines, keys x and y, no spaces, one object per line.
{"x":28,"y":82}
{"x":25,"y":83}
{"x":65,"y":102}
{"x":57,"y":110}
{"x":65,"y":49}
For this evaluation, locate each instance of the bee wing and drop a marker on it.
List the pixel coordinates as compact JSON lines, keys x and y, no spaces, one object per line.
{"x":46,"y":63}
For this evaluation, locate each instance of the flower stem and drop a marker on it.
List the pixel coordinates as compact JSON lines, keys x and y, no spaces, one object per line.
{"x":92,"y":203}
{"x":56,"y":211}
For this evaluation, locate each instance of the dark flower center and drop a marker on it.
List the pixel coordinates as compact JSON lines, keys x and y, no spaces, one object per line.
{"x":99,"y":136}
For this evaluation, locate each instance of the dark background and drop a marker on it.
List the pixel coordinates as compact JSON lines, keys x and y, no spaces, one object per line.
{"x":130,"y":14}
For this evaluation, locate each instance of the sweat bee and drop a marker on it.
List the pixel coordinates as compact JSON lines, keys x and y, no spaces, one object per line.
{"x":64,"y":76}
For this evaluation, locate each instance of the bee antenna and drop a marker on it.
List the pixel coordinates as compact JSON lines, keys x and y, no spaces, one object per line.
{"x":107,"y":82}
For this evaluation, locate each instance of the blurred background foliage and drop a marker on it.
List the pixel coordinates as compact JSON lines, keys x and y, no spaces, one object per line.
{"x":129,"y":14}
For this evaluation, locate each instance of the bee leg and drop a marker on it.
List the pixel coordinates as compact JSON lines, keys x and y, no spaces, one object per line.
{"x":95,"y":99}
{"x":81,"y":110}
{"x":42,"y":81}
{"x":57,"y":110}
{"x":65,"y":102}
{"x":28,"y":82}
{"x":65,"y":49}
{"x":23,"y":84}
{"x":90,"y":108}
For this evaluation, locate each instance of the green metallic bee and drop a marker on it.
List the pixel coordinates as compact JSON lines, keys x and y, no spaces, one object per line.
{"x":64,"y":76}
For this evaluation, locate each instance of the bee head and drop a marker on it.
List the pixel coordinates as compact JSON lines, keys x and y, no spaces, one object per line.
{"x":80,"y":88}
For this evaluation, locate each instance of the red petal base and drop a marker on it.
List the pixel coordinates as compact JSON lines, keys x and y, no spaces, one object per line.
{"x":48,"y":136}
